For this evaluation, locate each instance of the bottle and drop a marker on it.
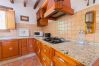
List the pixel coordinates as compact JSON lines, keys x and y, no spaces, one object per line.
{"x":81,"y":38}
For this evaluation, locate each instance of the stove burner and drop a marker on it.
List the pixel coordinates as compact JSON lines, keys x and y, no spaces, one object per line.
{"x":54,"y":40}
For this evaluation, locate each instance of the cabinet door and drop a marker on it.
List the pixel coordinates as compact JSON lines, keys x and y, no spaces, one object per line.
{"x":31,"y":43}
{"x":23,"y":44}
{"x":9,"y":48}
{"x":45,"y":60}
{"x":38,"y":48}
{"x":0,"y":50}
{"x":47,"y":51}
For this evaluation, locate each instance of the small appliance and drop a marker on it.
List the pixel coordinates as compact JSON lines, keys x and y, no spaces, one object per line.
{"x":22,"y":32}
{"x":39,"y":34}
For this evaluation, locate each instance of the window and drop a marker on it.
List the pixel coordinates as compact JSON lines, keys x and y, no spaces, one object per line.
{"x":7,"y":19}
{"x":3,"y":20}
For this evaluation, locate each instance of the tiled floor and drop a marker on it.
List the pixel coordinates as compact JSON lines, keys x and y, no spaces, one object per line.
{"x":32,"y":61}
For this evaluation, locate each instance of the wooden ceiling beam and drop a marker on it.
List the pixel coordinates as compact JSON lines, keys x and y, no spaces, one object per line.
{"x":44,"y":6}
{"x":25,"y":3}
{"x":36,"y":4}
{"x":12,"y":1}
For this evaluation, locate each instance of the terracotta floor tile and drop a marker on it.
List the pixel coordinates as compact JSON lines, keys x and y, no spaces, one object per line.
{"x":32,"y":61}
{"x":5,"y":65}
{"x":17,"y":63}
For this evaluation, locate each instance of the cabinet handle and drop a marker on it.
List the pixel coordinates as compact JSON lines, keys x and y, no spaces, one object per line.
{"x":52,"y":63}
{"x":62,"y":60}
{"x":10,"y":48}
{"x":43,"y":58}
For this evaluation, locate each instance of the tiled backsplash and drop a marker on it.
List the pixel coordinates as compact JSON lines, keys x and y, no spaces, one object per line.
{"x":31,"y":27}
{"x":69,"y":26}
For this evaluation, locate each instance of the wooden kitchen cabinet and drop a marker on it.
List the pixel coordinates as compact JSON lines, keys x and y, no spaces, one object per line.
{"x":62,"y":60}
{"x":41,"y":21}
{"x":31,"y":45}
{"x":0,"y":50}
{"x":46,"y":55}
{"x":9,"y":49}
{"x":58,"y":8}
{"x":45,"y":60}
{"x":23,"y":46}
{"x":38,"y":49}
{"x":26,"y":46}
{"x":16,"y":47}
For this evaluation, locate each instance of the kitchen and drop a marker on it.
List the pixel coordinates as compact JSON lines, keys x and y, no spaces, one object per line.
{"x":49,"y":33}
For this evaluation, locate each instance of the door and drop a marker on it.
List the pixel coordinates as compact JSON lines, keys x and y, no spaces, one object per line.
{"x":9,"y":48}
{"x":23,"y":45}
{"x":31,"y":43}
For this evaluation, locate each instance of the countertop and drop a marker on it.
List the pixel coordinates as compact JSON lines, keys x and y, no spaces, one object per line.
{"x":9,"y":38}
{"x":86,"y":54}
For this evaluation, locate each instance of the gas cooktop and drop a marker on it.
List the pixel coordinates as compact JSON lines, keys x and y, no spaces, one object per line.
{"x":54,"y":40}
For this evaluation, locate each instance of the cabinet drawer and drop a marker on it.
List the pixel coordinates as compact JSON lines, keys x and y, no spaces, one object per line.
{"x":61,"y":59}
{"x":10,"y":48}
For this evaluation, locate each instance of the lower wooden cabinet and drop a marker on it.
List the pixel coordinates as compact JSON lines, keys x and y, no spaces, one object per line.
{"x":45,"y":60}
{"x":26,"y":46}
{"x":51,"y":57}
{"x":38,"y":48}
{"x":47,"y":55}
{"x":23,"y":46}
{"x":31,"y":45}
{"x":0,"y":50}
{"x":14,"y":48}
{"x":9,"y":49}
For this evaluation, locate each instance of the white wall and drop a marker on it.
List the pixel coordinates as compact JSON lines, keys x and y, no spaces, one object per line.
{"x":21,"y":10}
{"x":80,"y":4}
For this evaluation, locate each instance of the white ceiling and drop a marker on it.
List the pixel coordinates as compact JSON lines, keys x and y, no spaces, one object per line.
{"x":29,"y":2}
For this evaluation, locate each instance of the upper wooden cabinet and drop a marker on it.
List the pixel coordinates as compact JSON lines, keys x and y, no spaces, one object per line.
{"x":41,"y":21}
{"x":10,"y":19}
{"x":57,"y":8}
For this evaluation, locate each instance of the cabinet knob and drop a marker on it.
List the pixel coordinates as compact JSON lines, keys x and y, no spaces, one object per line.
{"x":30,"y":45}
{"x":10,"y":48}
{"x":44,"y":50}
{"x":39,"y":51}
{"x":44,"y":59}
